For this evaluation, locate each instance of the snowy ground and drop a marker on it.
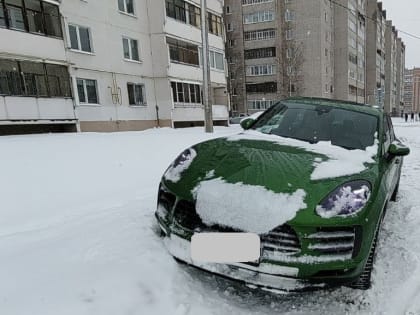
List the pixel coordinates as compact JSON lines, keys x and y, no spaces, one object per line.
{"x":78,"y":235}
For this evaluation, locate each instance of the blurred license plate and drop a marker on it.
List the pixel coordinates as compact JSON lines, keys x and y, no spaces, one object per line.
{"x":225,"y":247}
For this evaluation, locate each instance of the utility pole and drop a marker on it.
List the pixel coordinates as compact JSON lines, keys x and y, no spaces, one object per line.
{"x":208,"y":114}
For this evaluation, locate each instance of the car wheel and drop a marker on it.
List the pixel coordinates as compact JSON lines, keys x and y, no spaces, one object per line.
{"x":364,"y":280}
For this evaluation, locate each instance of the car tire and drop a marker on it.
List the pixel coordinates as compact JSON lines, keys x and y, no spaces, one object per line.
{"x":363,"y":282}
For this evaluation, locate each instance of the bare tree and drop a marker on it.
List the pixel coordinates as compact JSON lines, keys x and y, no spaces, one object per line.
{"x":291,"y":59}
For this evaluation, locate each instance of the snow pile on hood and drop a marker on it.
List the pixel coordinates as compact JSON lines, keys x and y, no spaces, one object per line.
{"x":182,"y":162}
{"x":245,"y":207}
{"x":340,"y":162}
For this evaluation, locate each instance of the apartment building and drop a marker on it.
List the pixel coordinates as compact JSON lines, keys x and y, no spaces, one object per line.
{"x":350,"y":50}
{"x":108,"y":65}
{"x":412,"y":90}
{"x":408,"y":90}
{"x":143,"y":69}
{"x":391,"y":103}
{"x":400,"y":76}
{"x":35,"y":88}
{"x":375,"y":54}
{"x":175,"y":34}
{"x":278,"y":49}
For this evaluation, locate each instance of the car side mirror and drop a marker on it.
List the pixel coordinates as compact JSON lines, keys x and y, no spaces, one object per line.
{"x":398,"y":149}
{"x":247,"y":123}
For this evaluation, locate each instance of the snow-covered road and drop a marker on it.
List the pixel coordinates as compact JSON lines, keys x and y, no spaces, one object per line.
{"x":78,"y":235}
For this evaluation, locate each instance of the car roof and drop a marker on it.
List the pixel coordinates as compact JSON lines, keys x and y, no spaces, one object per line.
{"x":353,"y":106}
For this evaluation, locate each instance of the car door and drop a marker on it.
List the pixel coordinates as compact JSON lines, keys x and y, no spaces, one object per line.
{"x":397,"y":160}
{"x":392,"y":163}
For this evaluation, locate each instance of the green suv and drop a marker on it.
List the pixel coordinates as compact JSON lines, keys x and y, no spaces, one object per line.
{"x":312,"y":177}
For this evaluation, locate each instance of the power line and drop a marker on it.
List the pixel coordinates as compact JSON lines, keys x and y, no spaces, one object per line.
{"x":367,"y":17}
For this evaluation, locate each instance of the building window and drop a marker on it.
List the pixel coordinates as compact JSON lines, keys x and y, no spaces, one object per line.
{"x":131,"y":49}
{"x":15,"y":13}
{"x":2,"y":17}
{"x":217,"y":60}
{"x":289,"y":53}
{"x":353,"y":58}
{"x":186,"y":94}
{"x":215,"y":24}
{"x":136,"y":94}
{"x":260,"y":104}
{"x":33,"y":16}
{"x":183,"y":52}
{"x":80,"y":38}
{"x":25,"y":78}
{"x":228,"y":10}
{"x":176,"y":9}
{"x":231,"y":42}
{"x":58,"y":81}
{"x":250,"y":2}
{"x":126,"y":6}
{"x":194,"y":15}
{"x":289,"y":15}
{"x":290,"y":34}
{"x":265,"y":34}
{"x":184,"y":12}
{"x":87,"y":91}
{"x":260,"y":53}
{"x":34,"y":79}
{"x":266,"y":87}
{"x":258,"y":17}
{"x":229,"y":27}
{"x":260,"y":70}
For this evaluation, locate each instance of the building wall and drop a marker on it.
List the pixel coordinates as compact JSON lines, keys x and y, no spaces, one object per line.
{"x":106,"y":64}
{"x":391,"y":35}
{"x":375,"y":53}
{"x":408,"y":90}
{"x":16,"y":112}
{"x":304,"y":61}
{"x":399,"y":101}
{"x":416,"y":90}
{"x":350,"y":77}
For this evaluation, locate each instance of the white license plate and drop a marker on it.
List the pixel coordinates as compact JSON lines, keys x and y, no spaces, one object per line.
{"x":225,"y":247}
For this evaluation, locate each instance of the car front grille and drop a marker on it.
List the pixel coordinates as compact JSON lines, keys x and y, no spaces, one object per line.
{"x":186,"y":215}
{"x":282,"y":239}
{"x":333,"y":241}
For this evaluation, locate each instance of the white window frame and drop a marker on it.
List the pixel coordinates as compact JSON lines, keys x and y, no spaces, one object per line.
{"x":261,"y":70}
{"x":79,"y":43}
{"x":125,"y":8}
{"x":85,"y":92}
{"x":143,"y":90}
{"x":130,"y":41}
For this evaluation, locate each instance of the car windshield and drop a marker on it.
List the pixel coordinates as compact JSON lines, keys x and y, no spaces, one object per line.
{"x":312,"y":123}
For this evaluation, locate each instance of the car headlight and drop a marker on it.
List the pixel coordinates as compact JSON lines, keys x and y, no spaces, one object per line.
{"x":183,"y":157}
{"x":345,"y":200}
{"x":181,"y":163}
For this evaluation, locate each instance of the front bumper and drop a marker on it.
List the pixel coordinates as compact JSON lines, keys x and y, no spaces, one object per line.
{"x":265,"y":275}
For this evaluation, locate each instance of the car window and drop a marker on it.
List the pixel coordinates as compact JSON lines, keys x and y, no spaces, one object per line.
{"x":313,"y":123}
{"x":391,"y":128}
{"x":387,"y":135}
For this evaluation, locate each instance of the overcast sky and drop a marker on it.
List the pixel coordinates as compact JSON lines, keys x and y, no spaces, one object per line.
{"x":405,"y":15}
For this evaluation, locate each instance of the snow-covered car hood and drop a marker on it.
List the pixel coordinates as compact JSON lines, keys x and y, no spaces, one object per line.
{"x":236,"y":164}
